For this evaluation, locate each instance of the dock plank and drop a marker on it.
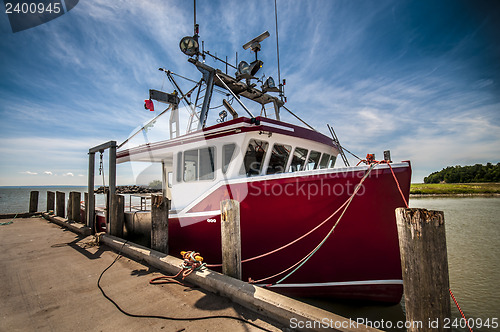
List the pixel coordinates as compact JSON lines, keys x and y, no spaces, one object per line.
{"x":49,"y":283}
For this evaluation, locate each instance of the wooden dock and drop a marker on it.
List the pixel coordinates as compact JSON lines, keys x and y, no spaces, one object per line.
{"x":49,"y":283}
{"x":48,"y":273}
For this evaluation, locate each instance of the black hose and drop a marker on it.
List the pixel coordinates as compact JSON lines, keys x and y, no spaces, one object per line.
{"x":166,"y":317}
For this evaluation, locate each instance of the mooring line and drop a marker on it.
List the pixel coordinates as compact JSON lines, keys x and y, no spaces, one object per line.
{"x":309,"y":255}
{"x":459,"y":309}
{"x":8,"y":222}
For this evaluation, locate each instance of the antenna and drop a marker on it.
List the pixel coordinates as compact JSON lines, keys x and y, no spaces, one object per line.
{"x":246,"y":70}
{"x":280,"y":85}
{"x":254,"y":44}
{"x":196,"y":26}
{"x":190,"y":45}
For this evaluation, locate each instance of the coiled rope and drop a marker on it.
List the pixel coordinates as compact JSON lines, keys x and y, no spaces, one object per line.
{"x":192,"y":262}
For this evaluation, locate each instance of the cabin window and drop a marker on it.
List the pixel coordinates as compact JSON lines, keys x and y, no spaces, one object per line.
{"x":254,"y":157}
{"x":179,"y":167}
{"x":191,"y":165}
{"x":313,"y":160}
{"x":199,"y":164}
{"x":324,"y":161}
{"x":169,"y":179}
{"x":227,"y":156}
{"x":207,"y":164}
{"x":331,"y":162}
{"x":298,"y":160}
{"x":279,"y":158}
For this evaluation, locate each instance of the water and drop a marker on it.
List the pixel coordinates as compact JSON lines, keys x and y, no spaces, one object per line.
{"x":472,"y":235}
{"x":16,"y":199}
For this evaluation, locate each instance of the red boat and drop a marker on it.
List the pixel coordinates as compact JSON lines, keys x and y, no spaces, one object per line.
{"x":284,"y":179}
{"x":308,"y":227}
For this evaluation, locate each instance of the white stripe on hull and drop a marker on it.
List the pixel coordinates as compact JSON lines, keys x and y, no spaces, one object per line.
{"x":342,"y":283}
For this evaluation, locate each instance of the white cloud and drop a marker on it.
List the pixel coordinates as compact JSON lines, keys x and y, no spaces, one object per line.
{"x":107,"y":55}
{"x":29,"y":173}
{"x":68,"y":174}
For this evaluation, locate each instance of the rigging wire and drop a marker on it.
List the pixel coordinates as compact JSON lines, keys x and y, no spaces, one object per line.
{"x":301,"y":262}
{"x":101,"y":172}
{"x":230,"y":102}
{"x":193,"y":81}
{"x":304,"y":235}
{"x":352,"y":154}
{"x":215,"y":107}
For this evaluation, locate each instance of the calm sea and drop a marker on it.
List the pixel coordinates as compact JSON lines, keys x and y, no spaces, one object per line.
{"x":472,"y":235}
{"x":16,"y":199}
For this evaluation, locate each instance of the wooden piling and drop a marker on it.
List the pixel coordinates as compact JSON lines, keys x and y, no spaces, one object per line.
{"x":60,"y":204}
{"x":231,"y":238}
{"x":75,"y":206}
{"x":424,"y":263}
{"x":69,"y":207}
{"x":51,"y":201}
{"x":86,"y":206}
{"x":159,"y":223}
{"x":33,"y":202}
{"x":117,"y":215}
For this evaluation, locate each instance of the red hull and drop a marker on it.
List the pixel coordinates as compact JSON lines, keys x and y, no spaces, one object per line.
{"x":360,"y":260}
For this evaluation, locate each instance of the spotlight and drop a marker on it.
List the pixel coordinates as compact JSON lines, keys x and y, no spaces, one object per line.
{"x":222,"y":116}
{"x":189,"y":46}
{"x":248,"y":71}
{"x":255,"y":66}
{"x":269,"y":85}
{"x":243,"y":70}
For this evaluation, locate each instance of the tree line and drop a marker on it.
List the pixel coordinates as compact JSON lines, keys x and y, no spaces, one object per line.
{"x":466,"y":174}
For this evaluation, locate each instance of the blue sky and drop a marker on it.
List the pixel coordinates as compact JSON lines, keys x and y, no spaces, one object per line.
{"x":421,"y":78}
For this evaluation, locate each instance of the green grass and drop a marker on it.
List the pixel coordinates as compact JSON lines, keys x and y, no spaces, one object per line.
{"x":454,"y":188}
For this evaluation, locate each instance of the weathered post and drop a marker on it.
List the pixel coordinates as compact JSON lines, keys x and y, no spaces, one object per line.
{"x":86,"y":205}
{"x":231,"y":238}
{"x":90,"y":206}
{"x":33,"y":202}
{"x":60,"y":204}
{"x":69,"y":207}
{"x":75,"y":206}
{"x":107,"y":196}
{"x":424,"y":263}
{"x":51,"y":201}
{"x":117,"y":215}
{"x":159,"y":223}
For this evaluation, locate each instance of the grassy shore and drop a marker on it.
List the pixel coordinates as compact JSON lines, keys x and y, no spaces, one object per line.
{"x":455,"y":189}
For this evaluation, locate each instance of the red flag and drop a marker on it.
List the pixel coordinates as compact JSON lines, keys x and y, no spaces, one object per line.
{"x":148,"y":104}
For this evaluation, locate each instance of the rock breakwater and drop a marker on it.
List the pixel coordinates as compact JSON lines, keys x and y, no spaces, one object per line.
{"x":129,"y":190}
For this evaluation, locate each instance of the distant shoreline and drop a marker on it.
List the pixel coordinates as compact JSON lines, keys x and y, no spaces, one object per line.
{"x":488,"y":189}
{"x":47,"y":186}
{"x":454,"y":195}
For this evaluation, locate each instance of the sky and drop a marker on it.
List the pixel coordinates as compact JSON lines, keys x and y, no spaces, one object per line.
{"x":419,"y":78}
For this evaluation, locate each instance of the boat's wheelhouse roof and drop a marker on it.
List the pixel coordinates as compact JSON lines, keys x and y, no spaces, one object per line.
{"x":156,"y":152}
